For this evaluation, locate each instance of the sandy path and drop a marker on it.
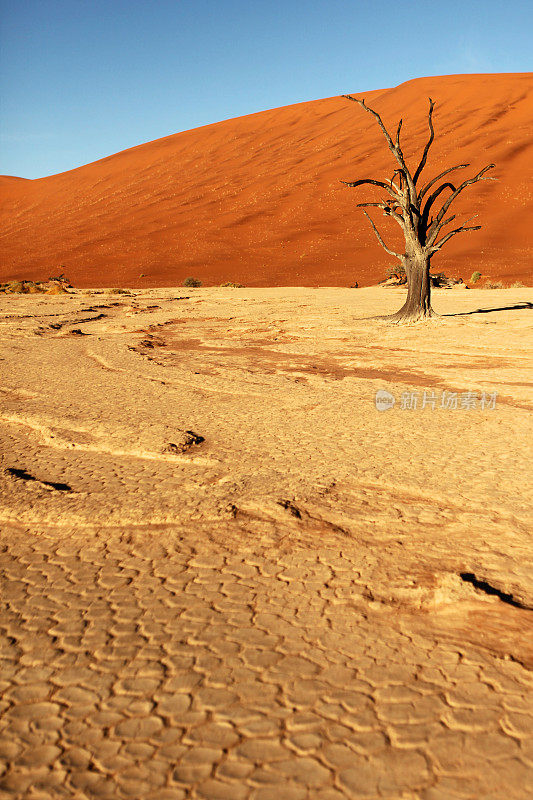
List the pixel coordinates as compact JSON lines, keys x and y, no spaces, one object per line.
{"x":320,"y":600}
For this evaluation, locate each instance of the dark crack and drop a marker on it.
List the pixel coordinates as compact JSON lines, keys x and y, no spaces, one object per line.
{"x":484,"y":586}
{"x":21,"y":474}
{"x":291,"y":508}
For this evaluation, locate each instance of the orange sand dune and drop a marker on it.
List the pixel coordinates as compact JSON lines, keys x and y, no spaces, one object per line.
{"x":258,"y":199}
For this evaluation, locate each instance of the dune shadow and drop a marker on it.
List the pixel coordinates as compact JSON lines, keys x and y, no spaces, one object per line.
{"x":517,"y":307}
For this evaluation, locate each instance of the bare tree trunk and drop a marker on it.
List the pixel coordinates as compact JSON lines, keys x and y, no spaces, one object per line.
{"x":413,"y":208}
{"x":418,"y":303}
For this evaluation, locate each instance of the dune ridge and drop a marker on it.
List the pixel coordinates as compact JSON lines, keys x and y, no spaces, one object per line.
{"x":258,"y":199}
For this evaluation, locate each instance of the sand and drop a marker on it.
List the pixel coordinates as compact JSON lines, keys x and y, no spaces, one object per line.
{"x":258,"y":200}
{"x":226,"y":574}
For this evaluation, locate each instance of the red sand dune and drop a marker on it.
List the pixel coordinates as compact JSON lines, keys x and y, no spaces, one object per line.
{"x":258,"y":199}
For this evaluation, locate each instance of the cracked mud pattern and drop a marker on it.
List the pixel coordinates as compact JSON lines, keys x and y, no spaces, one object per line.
{"x":226,"y":575}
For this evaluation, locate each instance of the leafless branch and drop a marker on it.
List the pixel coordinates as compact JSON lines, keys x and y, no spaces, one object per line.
{"x":429,"y":202}
{"x":379,"y":121}
{"x":429,"y":143}
{"x":398,"y":133}
{"x":371,"y":181}
{"x":449,"y":235}
{"x":388,"y":210}
{"x":431,"y":183}
{"x":447,"y":221}
{"x":380,"y":240}
{"x":435,"y":227}
{"x":394,"y":185}
{"x":395,"y":149}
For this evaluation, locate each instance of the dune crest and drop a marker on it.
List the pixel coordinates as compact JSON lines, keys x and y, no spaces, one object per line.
{"x":258,"y":199}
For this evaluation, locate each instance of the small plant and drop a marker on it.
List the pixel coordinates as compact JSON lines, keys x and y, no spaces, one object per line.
{"x":14,"y":287}
{"x":231,"y":285}
{"x":517,"y":285}
{"x":475,"y":277}
{"x":33,"y":287}
{"x":397,"y":273}
{"x":493,"y":285}
{"x":192,"y":283}
{"x":60,"y":278}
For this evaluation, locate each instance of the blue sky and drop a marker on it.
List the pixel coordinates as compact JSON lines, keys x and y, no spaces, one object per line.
{"x":82,"y":79}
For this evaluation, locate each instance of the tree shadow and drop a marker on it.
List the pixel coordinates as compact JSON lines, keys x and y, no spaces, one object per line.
{"x":518,"y":306}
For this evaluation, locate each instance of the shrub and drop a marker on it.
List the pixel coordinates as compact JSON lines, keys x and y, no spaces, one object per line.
{"x":15,"y":287}
{"x":444,"y":282}
{"x":493,"y":285}
{"x":192,"y":283}
{"x":517,"y":285}
{"x":33,"y":287}
{"x":397,"y":272}
{"x":232,"y":285}
{"x":475,"y":277}
{"x":56,"y":288}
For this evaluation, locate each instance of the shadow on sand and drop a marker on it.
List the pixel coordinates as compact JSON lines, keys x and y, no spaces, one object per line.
{"x":516,"y":307}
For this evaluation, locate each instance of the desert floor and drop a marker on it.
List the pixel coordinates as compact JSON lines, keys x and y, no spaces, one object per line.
{"x":319,"y":600}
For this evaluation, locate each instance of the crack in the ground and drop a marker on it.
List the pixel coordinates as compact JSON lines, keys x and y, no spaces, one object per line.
{"x":291,"y":508}
{"x":484,"y":586}
{"x":58,"y":325}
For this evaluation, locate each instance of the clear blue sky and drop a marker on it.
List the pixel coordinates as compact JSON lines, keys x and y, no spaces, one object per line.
{"x":82,"y":79}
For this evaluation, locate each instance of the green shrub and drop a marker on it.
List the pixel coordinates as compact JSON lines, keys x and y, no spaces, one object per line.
{"x":192,"y":283}
{"x":475,"y":277}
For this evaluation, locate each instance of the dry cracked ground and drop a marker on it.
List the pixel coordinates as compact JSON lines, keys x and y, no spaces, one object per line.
{"x":227,"y":575}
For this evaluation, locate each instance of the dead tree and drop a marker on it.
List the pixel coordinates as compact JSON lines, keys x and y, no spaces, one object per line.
{"x":414,"y":210}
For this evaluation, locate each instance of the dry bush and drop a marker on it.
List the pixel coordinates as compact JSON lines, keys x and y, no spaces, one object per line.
{"x":52,"y":286}
{"x":396,"y":272}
